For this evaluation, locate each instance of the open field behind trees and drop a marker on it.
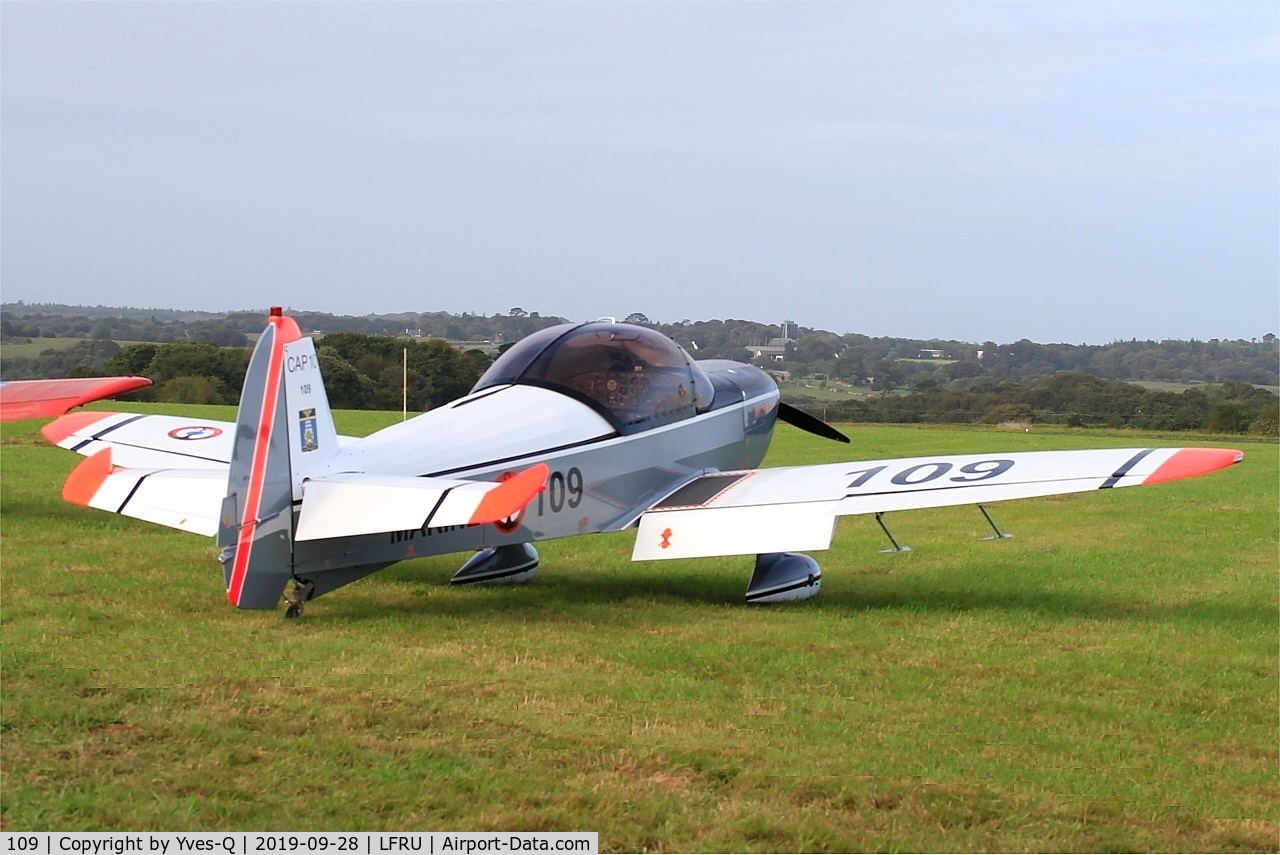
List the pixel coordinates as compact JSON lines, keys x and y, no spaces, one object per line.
{"x":31,"y":348}
{"x":1105,"y":681}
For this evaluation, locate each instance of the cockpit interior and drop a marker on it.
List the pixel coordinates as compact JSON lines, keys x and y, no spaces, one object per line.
{"x":636,"y":377}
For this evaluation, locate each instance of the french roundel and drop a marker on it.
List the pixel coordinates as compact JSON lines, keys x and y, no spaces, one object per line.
{"x":194,"y":432}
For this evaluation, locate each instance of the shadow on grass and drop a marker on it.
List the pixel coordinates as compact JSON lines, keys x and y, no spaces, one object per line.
{"x":615,"y":597}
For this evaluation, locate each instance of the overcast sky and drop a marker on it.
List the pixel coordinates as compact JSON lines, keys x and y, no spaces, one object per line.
{"x":1075,"y":172}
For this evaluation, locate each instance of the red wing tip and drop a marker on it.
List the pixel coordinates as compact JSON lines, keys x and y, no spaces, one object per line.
{"x":112,"y":387}
{"x":511,"y":496}
{"x":46,"y":399}
{"x":83,"y":482}
{"x":59,"y":429}
{"x":1187,"y":462}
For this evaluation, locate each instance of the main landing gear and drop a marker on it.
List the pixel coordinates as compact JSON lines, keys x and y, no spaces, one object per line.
{"x":780,"y":577}
{"x":513,"y":564}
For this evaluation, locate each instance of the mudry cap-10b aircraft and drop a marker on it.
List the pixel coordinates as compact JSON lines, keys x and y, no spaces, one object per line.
{"x":576,"y":429}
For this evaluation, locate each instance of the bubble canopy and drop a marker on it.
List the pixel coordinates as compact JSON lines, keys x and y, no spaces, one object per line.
{"x":635,"y":377}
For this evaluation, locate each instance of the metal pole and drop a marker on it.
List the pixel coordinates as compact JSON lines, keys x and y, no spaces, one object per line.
{"x":999,"y":535}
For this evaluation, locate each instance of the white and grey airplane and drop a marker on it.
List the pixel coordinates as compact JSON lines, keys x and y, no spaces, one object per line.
{"x":576,"y":429}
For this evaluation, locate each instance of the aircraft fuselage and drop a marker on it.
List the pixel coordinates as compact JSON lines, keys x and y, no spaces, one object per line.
{"x":600,"y":479}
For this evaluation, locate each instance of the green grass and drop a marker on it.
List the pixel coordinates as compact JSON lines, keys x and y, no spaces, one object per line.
{"x":1105,"y":681}
{"x":37,"y":346}
{"x":1180,"y":387}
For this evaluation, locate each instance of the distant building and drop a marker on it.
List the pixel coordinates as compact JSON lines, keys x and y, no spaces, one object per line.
{"x":931,"y":354}
{"x":489,"y":348}
{"x":791,"y":330}
{"x":773,"y":352}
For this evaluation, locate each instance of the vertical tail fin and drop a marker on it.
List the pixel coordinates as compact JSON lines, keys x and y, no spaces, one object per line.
{"x":284,"y":429}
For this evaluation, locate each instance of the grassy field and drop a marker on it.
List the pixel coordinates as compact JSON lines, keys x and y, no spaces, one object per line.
{"x":1106,"y":681}
{"x":1179,"y":388}
{"x":38,"y":346}
{"x":833,"y":391}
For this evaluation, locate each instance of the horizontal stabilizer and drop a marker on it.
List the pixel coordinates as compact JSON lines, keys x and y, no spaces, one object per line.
{"x":148,"y":441}
{"x":185,"y":499}
{"x":792,"y":508}
{"x":354,"y":504}
{"x":145,"y":441}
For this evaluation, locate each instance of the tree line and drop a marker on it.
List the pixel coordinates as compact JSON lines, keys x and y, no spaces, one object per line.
{"x":369,"y":372}
{"x":1069,"y":398}
{"x":203,"y":360}
{"x":361,"y":372}
{"x":882,"y":362}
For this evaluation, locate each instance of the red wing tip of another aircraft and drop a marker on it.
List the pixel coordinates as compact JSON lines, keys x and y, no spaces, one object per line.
{"x":84,"y":481}
{"x":43,"y":399}
{"x":59,"y":429}
{"x":1194,"y":461}
{"x":511,"y":496}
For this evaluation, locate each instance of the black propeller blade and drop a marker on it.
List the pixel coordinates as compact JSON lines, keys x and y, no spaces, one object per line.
{"x":799,"y":418}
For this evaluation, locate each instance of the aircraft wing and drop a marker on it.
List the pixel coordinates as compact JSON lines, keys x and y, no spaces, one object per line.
{"x":36,"y":399}
{"x":794,"y":508}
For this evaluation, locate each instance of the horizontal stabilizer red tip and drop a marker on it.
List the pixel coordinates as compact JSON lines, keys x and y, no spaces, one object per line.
{"x":511,"y":496}
{"x":83,"y":482}
{"x":58,"y":430}
{"x":1194,"y":461}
